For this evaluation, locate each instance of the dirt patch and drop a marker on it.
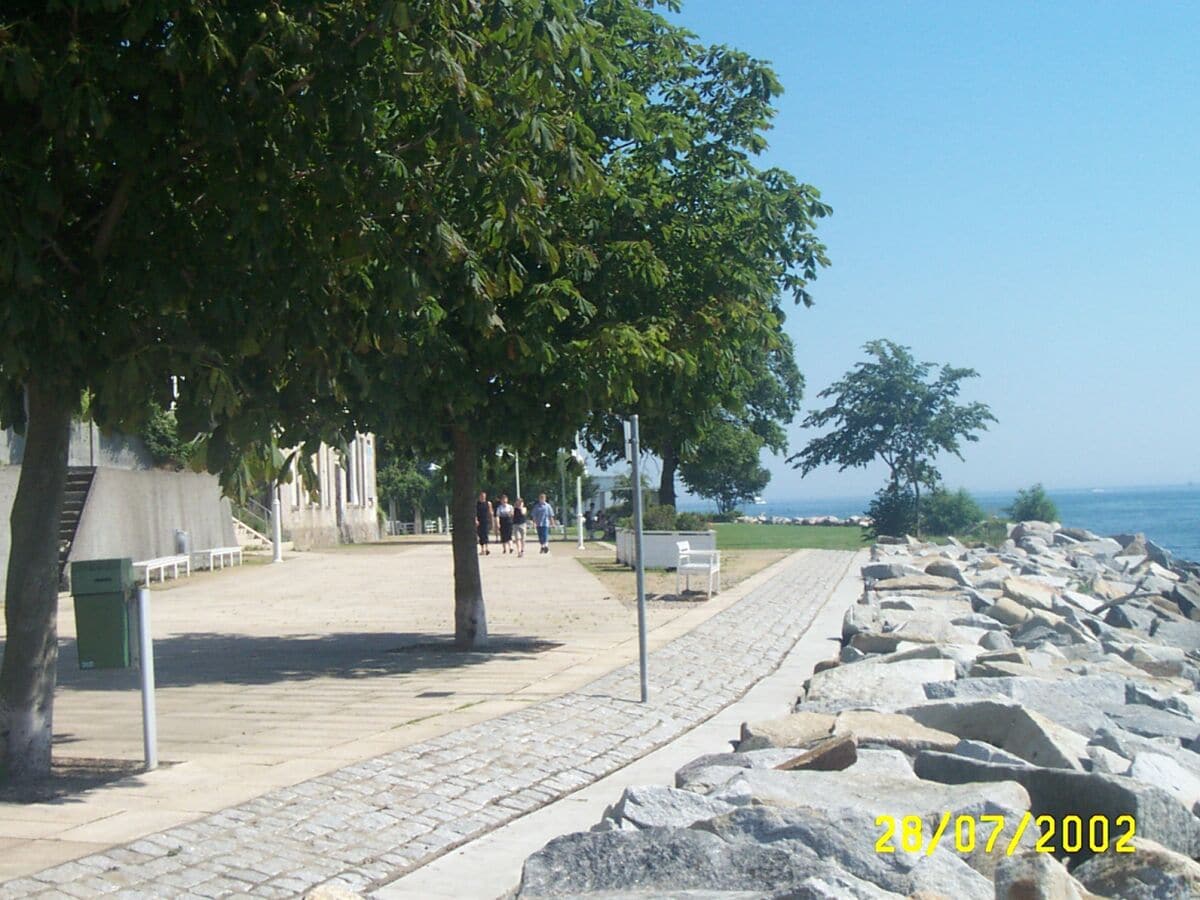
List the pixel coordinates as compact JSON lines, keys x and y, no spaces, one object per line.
{"x":620,"y":580}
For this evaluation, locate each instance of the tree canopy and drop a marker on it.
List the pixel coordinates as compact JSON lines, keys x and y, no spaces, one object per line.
{"x":461,"y":226}
{"x":725,"y":466}
{"x":897,"y":410}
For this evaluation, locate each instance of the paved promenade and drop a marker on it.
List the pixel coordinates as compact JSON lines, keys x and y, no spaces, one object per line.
{"x":365,"y":824}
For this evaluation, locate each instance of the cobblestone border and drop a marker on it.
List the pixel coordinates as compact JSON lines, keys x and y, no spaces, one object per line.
{"x":372,"y":822}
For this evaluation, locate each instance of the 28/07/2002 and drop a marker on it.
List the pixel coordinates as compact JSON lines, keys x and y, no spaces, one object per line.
{"x":1098,"y":834}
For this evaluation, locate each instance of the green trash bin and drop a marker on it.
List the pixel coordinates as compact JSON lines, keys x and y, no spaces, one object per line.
{"x":102,"y":589}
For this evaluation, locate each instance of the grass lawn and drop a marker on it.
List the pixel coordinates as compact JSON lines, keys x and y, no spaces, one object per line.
{"x":738,"y":536}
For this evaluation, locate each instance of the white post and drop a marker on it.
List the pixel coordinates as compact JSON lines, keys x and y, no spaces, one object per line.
{"x":276,"y":527}
{"x":146,"y":652}
{"x":579,"y":507}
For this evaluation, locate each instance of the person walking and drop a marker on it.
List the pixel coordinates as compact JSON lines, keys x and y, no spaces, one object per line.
{"x":483,"y":522}
{"x":520,"y":517}
{"x":504,"y":514}
{"x":543,"y":517}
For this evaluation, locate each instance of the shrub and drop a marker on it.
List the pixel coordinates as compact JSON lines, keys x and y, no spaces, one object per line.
{"x":1033,"y":505}
{"x":949,"y":512}
{"x":689,"y":521}
{"x":659,"y":518}
{"x":160,"y":434}
{"x":893,"y":511}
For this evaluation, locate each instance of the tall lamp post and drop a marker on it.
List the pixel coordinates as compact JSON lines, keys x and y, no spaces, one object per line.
{"x":434,"y":467}
{"x":577,"y":453}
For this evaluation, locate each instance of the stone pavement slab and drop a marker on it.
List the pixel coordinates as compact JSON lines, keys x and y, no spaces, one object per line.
{"x":364,"y":824}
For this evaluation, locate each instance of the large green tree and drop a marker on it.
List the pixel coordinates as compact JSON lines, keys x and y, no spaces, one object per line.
{"x":230,"y":194}
{"x":730,"y":242}
{"x":725,"y":466}
{"x":899,"y":411}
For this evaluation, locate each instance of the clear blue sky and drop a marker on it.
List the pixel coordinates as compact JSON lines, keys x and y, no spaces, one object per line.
{"x":1016,"y":188}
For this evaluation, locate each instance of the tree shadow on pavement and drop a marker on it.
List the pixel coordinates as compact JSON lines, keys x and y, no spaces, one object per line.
{"x":200,"y":658}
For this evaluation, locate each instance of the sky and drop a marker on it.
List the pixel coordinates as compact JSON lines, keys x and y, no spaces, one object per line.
{"x":1016,"y":189}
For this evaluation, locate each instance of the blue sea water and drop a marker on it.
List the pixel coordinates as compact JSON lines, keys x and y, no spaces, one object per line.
{"x":1169,"y":516}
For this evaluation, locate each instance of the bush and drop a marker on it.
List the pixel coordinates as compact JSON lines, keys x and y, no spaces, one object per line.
{"x":659,"y":518}
{"x":160,"y":434}
{"x":1033,"y":505}
{"x":949,"y":512}
{"x":691,"y":522}
{"x":893,"y":511}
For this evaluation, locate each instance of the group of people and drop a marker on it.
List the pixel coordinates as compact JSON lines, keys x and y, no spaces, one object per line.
{"x":510,"y":519}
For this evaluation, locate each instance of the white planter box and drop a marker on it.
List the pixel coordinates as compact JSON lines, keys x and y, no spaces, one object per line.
{"x":659,"y":546}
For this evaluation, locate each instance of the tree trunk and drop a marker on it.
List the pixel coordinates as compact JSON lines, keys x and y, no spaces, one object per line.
{"x":470,"y":617}
{"x":917,"y":506}
{"x":670,"y":464}
{"x":28,"y":674}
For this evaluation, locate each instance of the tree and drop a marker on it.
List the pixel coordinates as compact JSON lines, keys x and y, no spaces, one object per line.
{"x":892,"y":408}
{"x":729,"y":241}
{"x":725,"y":466}
{"x":225,"y":194}
{"x":951,"y":512}
{"x":1033,"y":504}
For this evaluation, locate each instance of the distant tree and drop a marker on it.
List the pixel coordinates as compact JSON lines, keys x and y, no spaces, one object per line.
{"x":892,"y":408}
{"x":725,"y":467}
{"x":1033,"y":505}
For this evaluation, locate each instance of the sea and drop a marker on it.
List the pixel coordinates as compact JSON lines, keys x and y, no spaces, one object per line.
{"x":1169,"y":516}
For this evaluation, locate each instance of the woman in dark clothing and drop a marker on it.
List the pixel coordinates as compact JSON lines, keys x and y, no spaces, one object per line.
{"x":483,"y":522}
{"x":520,"y":516}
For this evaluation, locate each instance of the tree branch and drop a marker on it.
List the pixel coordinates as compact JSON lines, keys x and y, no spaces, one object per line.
{"x":112,"y":216}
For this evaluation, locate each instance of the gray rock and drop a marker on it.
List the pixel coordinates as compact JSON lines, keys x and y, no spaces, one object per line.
{"x":859,"y":617}
{"x":1149,"y":722}
{"x":1086,"y":602}
{"x":799,"y":729}
{"x":829,"y":755}
{"x":882,"y":761}
{"x":1150,"y":872}
{"x":1033,"y":527}
{"x":1074,"y":702}
{"x":655,"y":806}
{"x":706,"y":779}
{"x":1106,"y":761}
{"x":1061,"y":792}
{"x":944,"y":568}
{"x":996,"y":640}
{"x":877,"y":686}
{"x":977,"y":620}
{"x":1102,"y":547}
{"x":899,"y":732}
{"x":1079,"y":534}
{"x":660,"y":860}
{"x":916,"y":583}
{"x":1185,"y":635}
{"x":1128,"y":615}
{"x":896,"y":603}
{"x":1009,"y":726}
{"x":884,"y":571}
{"x":1164,"y":772}
{"x":986,"y":753}
{"x":1008,"y":612}
{"x":846,"y":839}
{"x":1035,"y":876}
{"x":755,"y":759}
{"x":1187,"y":597}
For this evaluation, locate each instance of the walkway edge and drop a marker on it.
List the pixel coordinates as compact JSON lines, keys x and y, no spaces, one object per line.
{"x":501,"y":853}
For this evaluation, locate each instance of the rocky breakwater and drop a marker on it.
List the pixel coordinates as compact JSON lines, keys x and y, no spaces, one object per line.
{"x":1044,"y":691}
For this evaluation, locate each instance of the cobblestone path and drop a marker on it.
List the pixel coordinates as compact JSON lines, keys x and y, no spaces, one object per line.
{"x":371,"y":822}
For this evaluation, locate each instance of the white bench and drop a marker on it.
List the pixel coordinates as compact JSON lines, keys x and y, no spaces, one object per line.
{"x":161,"y":564}
{"x":218,"y":557}
{"x":696,"y":562}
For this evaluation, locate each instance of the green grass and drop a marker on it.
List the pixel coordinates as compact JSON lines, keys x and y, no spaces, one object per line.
{"x":738,"y":536}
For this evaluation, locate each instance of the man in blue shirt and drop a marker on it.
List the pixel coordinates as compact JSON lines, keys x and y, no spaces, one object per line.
{"x":542,"y":515}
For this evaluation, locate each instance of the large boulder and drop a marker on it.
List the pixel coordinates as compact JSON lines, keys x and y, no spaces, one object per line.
{"x":884,"y":570}
{"x":1150,"y":872}
{"x":1062,"y":792}
{"x":656,"y":806}
{"x":1077,"y":702}
{"x":846,"y":838}
{"x":891,"y":730}
{"x":800,"y":729}
{"x":1009,"y":726}
{"x":920,"y":582}
{"x":1185,"y":635}
{"x":1163,"y":771}
{"x":1030,"y":594}
{"x":1150,"y":722}
{"x":1007,"y":611}
{"x":661,"y":861}
{"x":1035,"y":876}
{"x":874,"y":685}
{"x":767,"y":758}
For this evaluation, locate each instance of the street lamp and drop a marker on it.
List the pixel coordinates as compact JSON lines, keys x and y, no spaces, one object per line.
{"x":434,"y":467}
{"x":577,"y":455}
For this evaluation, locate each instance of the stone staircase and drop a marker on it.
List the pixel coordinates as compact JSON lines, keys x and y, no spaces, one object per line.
{"x":248,"y":537}
{"x":79,"y":483}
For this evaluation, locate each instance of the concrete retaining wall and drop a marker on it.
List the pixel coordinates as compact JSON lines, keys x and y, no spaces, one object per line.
{"x":136,"y":514}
